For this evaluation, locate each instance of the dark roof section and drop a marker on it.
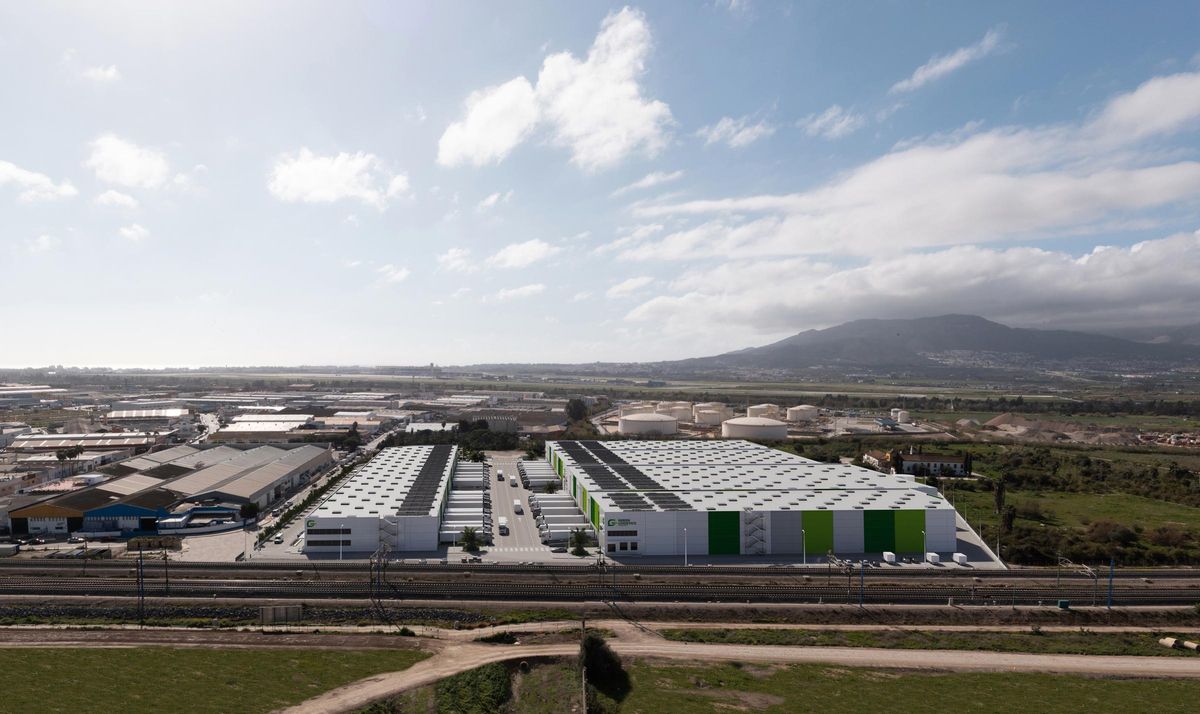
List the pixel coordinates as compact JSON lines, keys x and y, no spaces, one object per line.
{"x":632,"y":475}
{"x":424,"y":489}
{"x":167,"y":471}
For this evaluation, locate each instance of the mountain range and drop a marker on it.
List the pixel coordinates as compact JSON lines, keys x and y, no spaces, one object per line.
{"x":949,"y":341}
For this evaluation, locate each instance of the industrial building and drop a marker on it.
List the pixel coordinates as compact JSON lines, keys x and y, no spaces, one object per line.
{"x":170,"y":484}
{"x":130,"y":441}
{"x":395,"y":501}
{"x":148,"y":419}
{"x":740,"y":498}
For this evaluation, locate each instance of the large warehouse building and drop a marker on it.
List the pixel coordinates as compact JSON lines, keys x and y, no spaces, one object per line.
{"x":740,"y":498}
{"x":171,"y":484}
{"x":396,"y":500}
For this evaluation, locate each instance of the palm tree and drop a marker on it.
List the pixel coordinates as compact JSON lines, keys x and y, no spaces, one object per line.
{"x":579,"y":541}
{"x":469,"y":539}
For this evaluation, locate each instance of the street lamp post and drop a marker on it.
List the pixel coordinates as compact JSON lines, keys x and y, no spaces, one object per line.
{"x":685,"y":547}
{"x":804,"y":546}
{"x":341,"y":527}
{"x":924,"y":547}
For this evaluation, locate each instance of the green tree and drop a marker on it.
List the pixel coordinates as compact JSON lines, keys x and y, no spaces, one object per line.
{"x":248,"y":511}
{"x":1007,"y":519}
{"x":579,"y":541}
{"x":576,"y":410}
{"x":469,"y":539}
{"x":998,"y":495}
{"x":603,"y":669}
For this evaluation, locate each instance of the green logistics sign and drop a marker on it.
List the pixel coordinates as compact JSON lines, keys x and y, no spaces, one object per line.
{"x":621,"y":522}
{"x":310,"y":524}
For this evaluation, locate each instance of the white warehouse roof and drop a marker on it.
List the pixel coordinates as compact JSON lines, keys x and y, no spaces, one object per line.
{"x":729,"y":475}
{"x":401,"y":480}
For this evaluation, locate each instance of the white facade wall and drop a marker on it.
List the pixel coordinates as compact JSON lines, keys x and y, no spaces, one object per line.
{"x":941,"y":532}
{"x":848,"y":532}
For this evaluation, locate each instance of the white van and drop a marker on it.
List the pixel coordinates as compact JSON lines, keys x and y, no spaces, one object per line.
{"x":499,"y":474}
{"x":512,"y":481}
{"x":517,"y":507}
{"x":503,"y":525}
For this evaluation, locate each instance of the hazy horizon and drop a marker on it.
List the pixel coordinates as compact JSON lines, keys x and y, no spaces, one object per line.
{"x":376,"y":184}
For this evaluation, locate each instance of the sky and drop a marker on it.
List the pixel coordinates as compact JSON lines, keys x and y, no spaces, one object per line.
{"x":287,"y":183}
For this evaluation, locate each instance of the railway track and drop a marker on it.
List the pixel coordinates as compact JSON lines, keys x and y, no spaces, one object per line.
{"x":958,"y":593}
{"x":269,"y":569}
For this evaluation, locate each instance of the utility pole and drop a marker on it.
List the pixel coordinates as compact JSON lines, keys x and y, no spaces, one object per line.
{"x":582,"y":664}
{"x":862,"y":583}
{"x":1112,"y":564}
{"x":141,"y":589}
{"x":167,"y":571}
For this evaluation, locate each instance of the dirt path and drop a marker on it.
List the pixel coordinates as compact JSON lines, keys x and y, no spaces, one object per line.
{"x":457,"y":658}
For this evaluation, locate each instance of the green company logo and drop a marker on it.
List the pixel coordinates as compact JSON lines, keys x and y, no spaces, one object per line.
{"x":620,"y":522}
{"x":310,"y":524}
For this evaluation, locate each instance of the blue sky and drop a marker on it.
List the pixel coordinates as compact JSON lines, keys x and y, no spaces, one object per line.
{"x":303,"y":183}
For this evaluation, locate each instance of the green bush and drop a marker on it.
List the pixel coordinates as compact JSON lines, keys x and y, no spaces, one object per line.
{"x":478,"y":691}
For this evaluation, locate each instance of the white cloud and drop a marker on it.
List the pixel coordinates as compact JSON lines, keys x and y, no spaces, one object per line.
{"x":34,"y":186}
{"x":42,"y":244}
{"x":492,"y":200}
{"x":115,"y":199}
{"x":305,"y":177}
{"x":134,"y":233}
{"x":592,"y":107}
{"x":833,"y":123}
{"x":116,"y":160}
{"x":972,"y":186}
{"x":650,"y":180}
{"x":393,"y":274}
{"x":497,"y":120}
{"x":941,"y":65}
{"x":1147,"y":283}
{"x":630,"y":237}
{"x":735,"y":132}
{"x":522,"y":292}
{"x":102,"y":75}
{"x":629,"y":286}
{"x":1162,"y":105}
{"x":456,"y":260}
{"x":351,"y":263}
{"x":581,"y":296}
{"x":520,"y":255}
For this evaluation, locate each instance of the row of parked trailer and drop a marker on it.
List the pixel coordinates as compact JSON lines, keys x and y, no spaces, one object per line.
{"x":537,"y":475}
{"x":469,"y":504}
{"x":557,"y":515}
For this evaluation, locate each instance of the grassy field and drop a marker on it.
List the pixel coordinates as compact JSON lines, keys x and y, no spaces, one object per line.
{"x":1077,"y":510}
{"x":1078,"y":642}
{"x":197,"y":681}
{"x":662,"y":687}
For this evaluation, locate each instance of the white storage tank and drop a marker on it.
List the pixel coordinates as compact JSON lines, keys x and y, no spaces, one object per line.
{"x":709,"y":417}
{"x":902,"y":416}
{"x":763,"y":410}
{"x":717,"y":407}
{"x":804,"y":412}
{"x":754,"y":428}
{"x":648,"y":424}
{"x":895,"y":414}
{"x":638,"y":408}
{"x":682,"y":411}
